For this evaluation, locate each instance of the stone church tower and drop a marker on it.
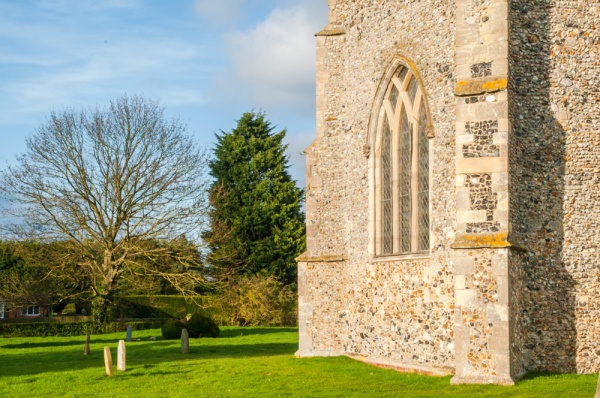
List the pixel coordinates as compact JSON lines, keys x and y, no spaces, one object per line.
{"x":453,"y":196}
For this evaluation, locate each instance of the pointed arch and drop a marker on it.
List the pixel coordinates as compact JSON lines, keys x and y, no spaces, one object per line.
{"x":398,"y":147}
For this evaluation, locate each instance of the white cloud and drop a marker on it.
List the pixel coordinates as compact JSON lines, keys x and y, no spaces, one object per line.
{"x":274,"y":63}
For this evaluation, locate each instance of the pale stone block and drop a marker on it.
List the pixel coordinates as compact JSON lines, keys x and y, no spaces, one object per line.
{"x":463,"y":71}
{"x":471,"y":216}
{"x":499,"y":178}
{"x":482,"y":111}
{"x":459,"y":282}
{"x":480,"y":54}
{"x":464,"y":36}
{"x":500,"y":67}
{"x":499,"y":188}
{"x":503,"y":289}
{"x":500,"y":263}
{"x":503,"y":202}
{"x":502,"y":217}
{"x":499,"y":10}
{"x":466,"y":298}
{"x":489,"y":36}
{"x":481,"y":165}
{"x":492,"y":30}
{"x":464,"y":139}
{"x":497,"y":313}
{"x":500,"y":338}
{"x":501,"y":138}
{"x":463,"y":265}
{"x":503,"y":124}
{"x":503,"y":150}
{"x":502,"y":96}
{"x":463,"y":202}
{"x":460,"y":181}
{"x":500,"y":48}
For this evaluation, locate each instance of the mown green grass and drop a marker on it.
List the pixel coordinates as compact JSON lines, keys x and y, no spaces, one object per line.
{"x":243,"y":362}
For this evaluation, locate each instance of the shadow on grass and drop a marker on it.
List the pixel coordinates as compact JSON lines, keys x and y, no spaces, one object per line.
{"x":139,"y":355}
{"x":225,"y":333}
{"x":59,"y":343}
{"x":549,"y":376}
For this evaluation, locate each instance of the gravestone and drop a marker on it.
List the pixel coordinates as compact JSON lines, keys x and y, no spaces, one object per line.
{"x":185,"y":341}
{"x":598,"y":388}
{"x":129,"y":331}
{"x":121,"y":356}
{"x":108,"y":366}
{"x":86,"y":349}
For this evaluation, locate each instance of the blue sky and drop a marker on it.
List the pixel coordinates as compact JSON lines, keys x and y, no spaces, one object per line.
{"x":206,"y":61}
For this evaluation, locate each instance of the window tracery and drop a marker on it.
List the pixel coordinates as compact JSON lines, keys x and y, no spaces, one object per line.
{"x":403,"y":168}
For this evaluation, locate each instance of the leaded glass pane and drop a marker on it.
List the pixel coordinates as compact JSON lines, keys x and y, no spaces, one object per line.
{"x":412,"y":88}
{"x":405,"y":194}
{"x":402,"y":74}
{"x":394,"y":96}
{"x":386,"y":192}
{"x":423,"y":178}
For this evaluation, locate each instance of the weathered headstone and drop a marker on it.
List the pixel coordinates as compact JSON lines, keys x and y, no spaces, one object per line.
{"x":108,"y":362}
{"x":185,"y":342}
{"x":129,"y":331}
{"x":86,"y":349}
{"x":121,"y":356}
{"x":598,"y":388}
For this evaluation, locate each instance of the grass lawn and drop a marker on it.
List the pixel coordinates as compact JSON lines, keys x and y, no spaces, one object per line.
{"x":243,"y":362}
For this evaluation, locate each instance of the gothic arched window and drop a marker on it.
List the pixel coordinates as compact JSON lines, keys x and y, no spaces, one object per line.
{"x":402,"y":168}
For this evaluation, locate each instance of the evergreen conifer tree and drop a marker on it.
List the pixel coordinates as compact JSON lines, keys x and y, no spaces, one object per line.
{"x":256,"y":220}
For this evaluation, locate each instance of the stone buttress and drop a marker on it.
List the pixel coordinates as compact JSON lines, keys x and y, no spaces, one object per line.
{"x":482,"y":316}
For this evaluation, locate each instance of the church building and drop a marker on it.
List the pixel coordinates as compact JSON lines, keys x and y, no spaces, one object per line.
{"x":453,"y":188}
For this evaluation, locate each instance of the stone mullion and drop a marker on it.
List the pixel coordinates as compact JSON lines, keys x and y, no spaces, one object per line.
{"x":378,"y":189}
{"x":394,"y":120}
{"x":414,"y":174}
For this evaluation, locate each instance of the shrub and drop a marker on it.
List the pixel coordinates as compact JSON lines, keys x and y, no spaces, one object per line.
{"x":43,"y":329}
{"x":171,"y":329}
{"x":254,"y":300}
{"x":69,"y":309}
{"x":202,"y":326}
{"x":156,"y":306}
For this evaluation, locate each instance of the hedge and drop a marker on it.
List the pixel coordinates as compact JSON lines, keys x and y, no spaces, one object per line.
{"x":43,"y":329}
{"x":155,"y":307}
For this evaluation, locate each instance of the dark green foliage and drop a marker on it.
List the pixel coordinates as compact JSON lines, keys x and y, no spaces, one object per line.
{"x":155,"y":307}
{"x":256,"y":220}
{"x":43,"y":329}
{"x":171,"y":329}
{"x":202,"y":326}
{"x":36,"y":273}
{"x":252,"y":300}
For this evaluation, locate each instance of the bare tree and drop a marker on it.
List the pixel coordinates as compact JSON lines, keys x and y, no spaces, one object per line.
{"x":109,"y":180}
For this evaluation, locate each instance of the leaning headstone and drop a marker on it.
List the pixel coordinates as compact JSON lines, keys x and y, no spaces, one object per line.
{"x":598,"y":388}
{"x":108,"y":362}
{"x":185,"y":341}
{"x":129,"y":331}
{"x":86,"y":349}
{"x":121,"y":357}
